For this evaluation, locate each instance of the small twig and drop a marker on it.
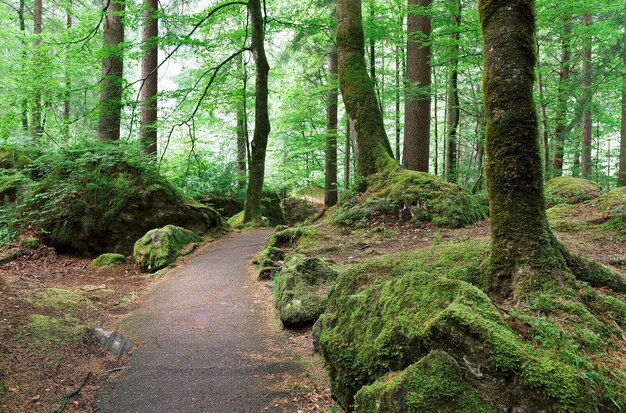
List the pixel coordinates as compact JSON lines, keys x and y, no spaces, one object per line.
{"x":71,"y":395}
{"x":113,"y":370}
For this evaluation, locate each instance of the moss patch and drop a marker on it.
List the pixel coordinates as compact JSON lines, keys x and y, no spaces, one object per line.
{"x":43,"y":331}
{"x":569,"y":190}
{"x":412,"y":196}
{"x":302,"y":289}
{"x":278,"y":245}
{"x":236,"y":221}
{"x":160,"y":247}
{"x":392,"y":312}
{"x":108,"y":260}
{"x":58,"y":299}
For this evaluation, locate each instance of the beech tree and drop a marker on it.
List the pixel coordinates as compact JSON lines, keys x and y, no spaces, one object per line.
{"x":35,"y":118}
{"x":586,"y":101}
{"x":454,"y":111}
{"x":331,"y":195}
{"x":621,"y":179}
{"x":112,"y":72}
{"x":561,"y":105}
{"x":149,"y":73}
{"x":262,"y":127}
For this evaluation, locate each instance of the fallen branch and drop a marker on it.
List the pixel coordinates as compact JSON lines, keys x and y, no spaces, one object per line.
{"x":71,"y":395}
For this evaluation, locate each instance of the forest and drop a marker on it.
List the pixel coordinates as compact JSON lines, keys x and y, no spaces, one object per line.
{"x":321,"y":206}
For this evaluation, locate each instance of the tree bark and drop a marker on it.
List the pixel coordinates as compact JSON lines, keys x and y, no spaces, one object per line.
{"x":242,"y":125}
{"x":453,"y":96}
{"x":20,"y":16}
{"x":544,"y":124}
{"x":417,"y":105}
{"x":149,"y":72}
{"x":331,"y":198}
{"x":36,"y":128}
{"x":346,"y":160}
{"x":373,"y":152}
{"x":586,"y":99}
{"x":112,"y":73}
{"x":524,"y":252}
{"x":397,"y":112}
{"x":560,"y":130}
{"x":67,"y":102}
{"x":262,"y":126}
{"x":621,"y":178}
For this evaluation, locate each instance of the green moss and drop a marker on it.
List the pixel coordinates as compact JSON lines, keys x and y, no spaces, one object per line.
{"x":560,"y":211}
{"x":236,"y":221}
{"x":29,"y":242}
{"x":14,"y":188}
{"x":108,"y":260}
{"x":42,"y":331}
{"x":433,"y":384}
{"x":160,"y":247}
{"x":58,"y":299}
{"x":302,"y":289}
{"x":427,"y":197}
{"x":611,"y":200}
{"x":278,"y":244}
{"x":569,"y":190}
{"x":388,"y":313}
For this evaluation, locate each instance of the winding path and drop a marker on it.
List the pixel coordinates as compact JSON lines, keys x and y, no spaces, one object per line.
{"x":204,"y":341}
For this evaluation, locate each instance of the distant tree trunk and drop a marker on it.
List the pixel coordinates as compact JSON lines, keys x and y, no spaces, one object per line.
{"x":373,"y":152}
{"x":36,"y":128}
{"x":544,"y":124}
{"x":524,"y":253}
{"x":478,"y":185}
{"x":560,"y":130}
{"x":454,"y":112}
{"x":20,"y":16}
{"x":112,"y":73}
{"x":397,"y":112}
{"x":67,"y":103}
{"x":262,"y":127}
{"x":346,"y":161}
{"x":417,"y":105}
{"x":330,"y":198}
{"x":242,"y":125}
{"x":621,"y":179}
{"x":149,"y":73}
{"x":586,"y":99}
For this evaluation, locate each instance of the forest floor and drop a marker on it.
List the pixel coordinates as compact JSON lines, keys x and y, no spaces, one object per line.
{"x":35,"y":373}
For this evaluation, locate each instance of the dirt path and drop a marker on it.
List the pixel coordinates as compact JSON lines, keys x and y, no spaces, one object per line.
{"x":203,"y":342}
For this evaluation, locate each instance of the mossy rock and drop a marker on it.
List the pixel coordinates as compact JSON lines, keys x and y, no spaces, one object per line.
{"x":227,"y":206}
{"x":108,"y":260}
{"x":298,"y":210}
{"x":392,"y":312}
{"x":58,"y":299}
{"x":14,"y":188}
{"x":160,"y":247}
{"x":278,"y":244}
{"x":236,"y":222}
{"x":43,"y":331}
{"x":434,"y":384}
{"x":415,"y":196}
{"x":613,"y":200}
{"x":272,"y":209}
{"x":95,"y":198}
{"x":569,"y":190}
{"x":302,"y":289}
{"x":13,"y":157}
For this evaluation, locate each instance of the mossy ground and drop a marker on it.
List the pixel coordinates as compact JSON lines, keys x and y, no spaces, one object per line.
{"x":559,"y":350}
{"x":236,"y":222}
{"x":108,"y":260}
{"x":59,"y":299}
{"x":44,"y":331}
{"x":569,"y":190}
{"x":411,"y":196}
{"x":160,"y":247}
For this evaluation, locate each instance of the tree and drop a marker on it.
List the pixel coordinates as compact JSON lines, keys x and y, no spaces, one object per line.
{"x":524,"y":252}
{"x":560,"y":131}
{"x":149,"y":73}
{"x":112,"y":72}
{"x":372,"y":148}
{"x":418,"y":72}
{"x":454,"y":111}
{"x":242,"y":125}
{"x":36,"y":128}
{"x":621,"y":179}
{"x":586,"y":101}
{"x":330,"y":198}
{"x":262,"y":127}
{"x":20,"y":16}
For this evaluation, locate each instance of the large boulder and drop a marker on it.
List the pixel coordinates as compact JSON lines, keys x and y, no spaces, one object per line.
{"x":272,"y":209}
{"x":226,"y":205}
{"x":97,"y":198}
{"x":570,"y":190}
{"x":160,"y":247}
{"x":414,"y":332}
{"x":303,"y":286}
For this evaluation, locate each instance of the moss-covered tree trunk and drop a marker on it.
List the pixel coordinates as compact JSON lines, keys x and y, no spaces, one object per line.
{"x":112,"y":73}
{"x":330,"y":197}
{"x":524,"y":252}
{"x":262,"y":127}
{"x":357,"y":90}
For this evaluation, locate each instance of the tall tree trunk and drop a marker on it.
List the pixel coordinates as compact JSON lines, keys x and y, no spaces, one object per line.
{"x":346,"y":160}
{"x":453,"y":96}
{"x":373,"y":152}
{"x":112,"y":73}
{"x":586,"y":99}
{"x":524,"y":252}
{"x":560,"y":130}
{"x":417,"y":105}
{"x":544,"y":124}
{"x":67,"y":102}
{"x":242,"y":125}
{"x":149,"y":73}
{"x":262,"y":127}
{"x":621,"y":178}
{"x":330,"y":198}
{"x":36,"y":128}
{"x":20,"y":16}
{"x":397,"y":112}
